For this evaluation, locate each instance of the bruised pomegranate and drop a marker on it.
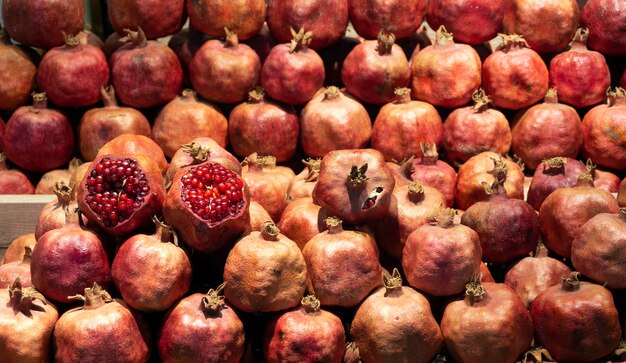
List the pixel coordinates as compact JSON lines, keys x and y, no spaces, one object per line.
{"x":342,"y":265}
{"x":551,"y":175}
{"x":263,"y":126}
{"x":402,"y":18}
{"x":514,"y":76}
{"x":431,"y":171}
{"x":202,"y":327}
{"x":333,"y":120}
{"x":16,"y":249}
{"x":18,"y":73}
{"x":265,"y":271}
{"x":84,"y":334}
{"x":440,"y":259}
{"x":301,"y":186}
{"x":145,"y":73}
{"x":605,"y":20}
{"x":606,"y":180}
{"x":13,"y":181}
{"x":17,"y":270}
{"x":258,"y":216}
{"x":307,"y":334}
{"x":37,"y":138}
{"x":576,"y":321}
{"x":470,"y":130}
{"x":471,"y":22}
{"x":157,"y":18}
{"x":473,"y":328}
{"x":395,"y":324}
{"x":198,"y":117}
{"x":268,"y":183}
{"x":243,"y":17}
{"x":52,"y":216}
{"x":50,"y":179}
{"x":101,"y":125}
{"x":445,"y":74}
{"x":302,"y":220}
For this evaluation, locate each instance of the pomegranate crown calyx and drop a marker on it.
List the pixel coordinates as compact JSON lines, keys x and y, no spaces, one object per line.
{"x":138,"y":37}
{"x":357,"y":175}
{"x":443,"y":37}
{"x":300,"y":40}
{"x":313,"y":166}
{"x":164,"y":232}
{"x":538,"y":355}
{"x":481,"y":100}
{"x":385,"y":42}
{"x":19,"y":294}
{"x":512,"y":42}
{"x":444,"y":219}
{"x":581,"y":36}
{"x":213,"y":301}
{"x":571,"y":282}
{"x":555,"y":163}
{"x":256,"y":95}
{"x":231,"y":39}
{"x":429,"y":153}
{"x":71,"y":40}
{"x":270,"y":231}
{"x":615,"y":96}
{"x":334,"y":224}
{"x":310,"y":304}
{"x":393,"y":281}
{"x":94,"y":297}
{"x":63,"y":192}
{"x":199,"y":153}
{"x":474,"y":289}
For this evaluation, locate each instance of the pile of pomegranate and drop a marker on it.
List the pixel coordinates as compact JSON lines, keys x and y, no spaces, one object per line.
{"x":316,"y":181}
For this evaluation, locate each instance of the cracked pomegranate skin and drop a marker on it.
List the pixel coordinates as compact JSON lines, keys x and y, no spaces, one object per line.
{"x":471,"y":22}
{"x":157,"y":18}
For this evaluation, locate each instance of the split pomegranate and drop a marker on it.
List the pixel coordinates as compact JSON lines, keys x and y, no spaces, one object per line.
{"x":15,"y":250}
{"x":551,"y":175}
{"x":605,"y":18}
{"x":243,"y":17}
{"x":101,"y":125}
{"x":50,"y":179}
{"x":13,"y":181}
{"x":198,"y":117}
{"x":84,"y":334}
{"x":264,"y":272}
{"x":470,"y":130}
{"x":431,"y":171}
{"x":302,"y":220}
{"x":258,"y":216}
{"x":17,"y":270}
{"x":307,"y":334}
{"x":402,"y":18}
{"x":135,"y":145}
{"x":157,"y":18}
{"x":395,"y":324}
{"x":268,"y":183}
{"x":202,"y":327}
{"x":52,"y":216}
{"x":606,"y":180}
{"x":342,"y":265}
{"x":568,"y":318}
{"x":145,"y":73}
{"x":440,"y":259}
{"x":263,"y":126}
{"x":471,"y":22}
{"x":445,"y":73}
{"x":514,"y":76}
{"x":301,"y":186}
{"x":18,"y":73}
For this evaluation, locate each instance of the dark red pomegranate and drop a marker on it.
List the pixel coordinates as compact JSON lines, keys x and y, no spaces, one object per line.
{"x":301,"y":186}
{"x":473,"y":328}
{"x":112,"y":43}
{"x":37,"y":138}
{"x":568,"y":318}
{"x":53,"y":214}
{"x":551,"y":175}
{"x":24,"y":22}
{"x":606,"y":180}
{"x":263,"y":126}
{"x":15,"y":250}
{"x":514,"y":76}
{"x":16,"y":270}
{"x":605,"y":20}
{"x":470,"y":130}
{"x":302,"y":220}
{"x":101,"y":125}
{"x":50,"y":179}
{"x":431,"y":171}
{"x":135,"y":145}
{"x":243,"y":17}
{"x":445,"y":74}
{"x":13,"y":181}
{"x":395,"y":324}
{"x":307,"y":334}
{"x":293,"y":73}
{"x":18,"y":73}
{"x":157,"y":18}
{"x":202,"y":327}
{"x":355,"y":185}
{"x":258,"y":216}
{"x":402,"y":18}
{"x":145,"y":73}
{"x":83,"y":334}
{"x":200,"y":119}
{"x":471,"y":22}
{"x":333,"y":120}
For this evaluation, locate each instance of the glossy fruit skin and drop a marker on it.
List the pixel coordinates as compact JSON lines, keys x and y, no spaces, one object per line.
{"x":471,"y":22}
{"x":603,"y":18}
{"x":547,"y":179}
{"x":402,"y":18}
{"x":604,"y":133}
{"x":244,"y":17}
{"x":157,"y":18}
{"x":18,"y":74}
{"x":302,"y":220}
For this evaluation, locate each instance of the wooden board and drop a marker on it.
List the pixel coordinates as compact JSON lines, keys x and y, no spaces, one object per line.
{"x":18,"y":216}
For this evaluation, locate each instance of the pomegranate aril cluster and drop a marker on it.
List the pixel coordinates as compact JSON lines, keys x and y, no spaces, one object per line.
{"x":213,"y":192}
{"x":117,"y":187}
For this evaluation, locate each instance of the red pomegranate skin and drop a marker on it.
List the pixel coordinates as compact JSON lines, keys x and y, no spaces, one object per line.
{"x":471,"y":22}
{"x":551,"y":175}
{"x":157,"y":18}
{"x":244,"y":17}
{"x":42,"y":31}
{"x":605,"y":20}
{"x":431,"y":171}
{"x":302,"y":220}
{"x":262,"y":42}
{"x":135,"y":145}
{"x":18,"y":74}
{"x":185,"y":44}
{"x":17,"y":269}
{"x":263,"y":126}
{"x":268,"y":183}
{"x":52,"y":215}
{"x":72,"y":74}
{"x":37,"y":138}
{"x":402,"y":18}
{"x":258,"y":216}
{"x":15,"y":250}
{"x":567,"y":322}
{"x":606,"y":180}
{"x":112,"y":43}
{"x":621,"y":194}
{"x":49,"y":179}
{"x":327,"y":19}
{"x":88,"y":37}
{"x":333,"y":120}
{"x":13,"y":181}
{"x":145,"y":73}
{"x":545,"y":131}
{"x":301,"y":186}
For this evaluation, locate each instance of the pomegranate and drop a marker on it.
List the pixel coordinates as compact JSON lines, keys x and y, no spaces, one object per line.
{"x":514,"y":75}
{"x":568,"y":317}
{"x":50,"y":179}
{"x":38,"y":139}
{"x":13,"y":181}
{"x":112,"y":43}
{"x":208,"y":204}
{"x":471,"y":22}
{"x":263,"y":126}
{"x":84,"y":334}
{"x":198,"y":117}
{"x":473,"y":328}
{"x":445,"y":73}
{"x":145,"y":73}
{"x":355,"y":185}
{"x":24,"y":21}
{"x":26,"y":324}
{"x":258,"y":216}
{"x":18,"y":73}
{"x":342,"y":265}
{"x":78,"y":175}
{"x":431,"y":171}
{"x":545,"y":131}
{"x":551,"y":175}
{"x":565,"y":210}
{"x":486,"y":273}
{"x":470,"y":130}
{"x":334,"y":57}
{"x":185,"y":44}
{"x":264,"y":272}
{"x":482,"y":168}
{"x":17,"y":270}
{"x":135,"y":145}
{"x":605,"y":19}
{"x":604,"y":131}
{"x":157,"y":18}
{"x":333,"y":120}
{"x":440,"y":259}
{"x":401,"y":18}
{"x":301,"y":186}
{"x":52,"y":216}
{"x":302,"y":220}
{"x":202,"y":327}
{"x":307,"y":334}
{"x":268,"y":183}
{"x":16,"y":249}
{"x":606,"y":180}
{"x":395,"y":324}
{"x":351,"y":354}
{"x":88,"y":37}
{"x":292,"y":73}
{"x":621,"y":195}
{"x":244,"y":17}
{"x":101,"y":125}
{"x":262,"y":42}
{"x":411,"y":207}
{"x":67,"y":260}
{"x":326,"y":19}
